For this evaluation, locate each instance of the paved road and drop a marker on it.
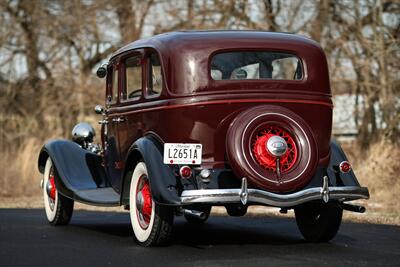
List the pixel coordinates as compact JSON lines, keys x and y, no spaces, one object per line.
{"x":106,"y":239}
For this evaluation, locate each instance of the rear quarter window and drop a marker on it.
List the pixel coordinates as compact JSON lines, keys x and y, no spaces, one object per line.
{"x":256,"y":65}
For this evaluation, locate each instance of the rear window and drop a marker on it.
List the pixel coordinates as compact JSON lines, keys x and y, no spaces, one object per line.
{"x":256,"y":65}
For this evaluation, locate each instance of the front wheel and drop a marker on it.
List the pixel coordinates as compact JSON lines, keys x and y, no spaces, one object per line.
{"x":58,"y":208}
{"x":151,"y":223}
{"x":318,"y":222}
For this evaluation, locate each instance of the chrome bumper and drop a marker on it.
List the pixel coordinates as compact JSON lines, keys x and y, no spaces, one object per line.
{"x":255,"y":196}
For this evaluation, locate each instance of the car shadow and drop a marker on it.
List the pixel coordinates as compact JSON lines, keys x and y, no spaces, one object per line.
{"x":218,"y":230}
{"x":110,"y":223}
{"x":236,"y":231}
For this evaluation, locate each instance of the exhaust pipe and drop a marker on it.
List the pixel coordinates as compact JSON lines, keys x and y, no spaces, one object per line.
{"x":195,"y":213}
{"x":354,"y":208}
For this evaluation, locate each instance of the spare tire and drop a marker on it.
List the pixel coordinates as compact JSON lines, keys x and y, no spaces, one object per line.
{"x":249,"y":157}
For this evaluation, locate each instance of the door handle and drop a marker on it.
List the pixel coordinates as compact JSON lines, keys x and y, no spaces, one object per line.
{"x":118,"y":119}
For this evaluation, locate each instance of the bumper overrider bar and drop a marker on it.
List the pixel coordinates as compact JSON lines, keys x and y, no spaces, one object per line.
{"x":256,"y":196}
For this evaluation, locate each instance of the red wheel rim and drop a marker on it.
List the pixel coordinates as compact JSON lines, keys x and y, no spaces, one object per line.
{"x":264,"y":158}
{"x":144,"y":202}
{"x":53,"y":190}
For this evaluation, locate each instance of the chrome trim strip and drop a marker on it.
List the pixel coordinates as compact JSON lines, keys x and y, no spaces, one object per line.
{"x":255,"y":196}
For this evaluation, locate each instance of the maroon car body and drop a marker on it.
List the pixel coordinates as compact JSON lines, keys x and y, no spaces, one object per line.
{"x":190,"y":88}
{"x":196,"y":99}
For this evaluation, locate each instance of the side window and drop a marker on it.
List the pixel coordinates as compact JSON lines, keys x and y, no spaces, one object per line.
{"x":112,"y":85}
{"x":115,"y":85}
{"x":155,"y":79}
{"x":133,"y":78}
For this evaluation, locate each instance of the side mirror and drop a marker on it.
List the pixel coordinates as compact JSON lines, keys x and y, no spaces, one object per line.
{"x":101,"y":71}
{"x":99,"y":109}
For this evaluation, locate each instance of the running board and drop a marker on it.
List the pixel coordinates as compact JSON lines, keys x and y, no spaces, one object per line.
{"x":98,"y":197}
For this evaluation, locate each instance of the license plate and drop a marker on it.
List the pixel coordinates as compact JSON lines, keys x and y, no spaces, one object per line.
{"x":177,"y":153}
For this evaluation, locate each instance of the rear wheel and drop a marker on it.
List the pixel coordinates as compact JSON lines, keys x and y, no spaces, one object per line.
{"x":58,"y":208}
{"x":236,"y":210}
{"x":318,"y":222}
{"x":151,"y":223}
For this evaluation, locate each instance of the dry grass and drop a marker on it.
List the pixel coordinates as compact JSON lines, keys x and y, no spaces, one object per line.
{"x":19,"y":174}
{"x":378,"y":170}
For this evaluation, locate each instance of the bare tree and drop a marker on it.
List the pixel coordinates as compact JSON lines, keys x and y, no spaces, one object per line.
{"x":60,"y":43}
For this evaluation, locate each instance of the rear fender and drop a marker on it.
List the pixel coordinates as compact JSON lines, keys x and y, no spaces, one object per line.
{"x":335,"y":176}
{"x":163,"y":182}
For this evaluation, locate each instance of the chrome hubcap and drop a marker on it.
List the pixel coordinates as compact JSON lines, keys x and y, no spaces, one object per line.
{"x":277,"y":146}
{"x":144,"y":202}
{"x":51,"y":191}
{"x":139,"y":201}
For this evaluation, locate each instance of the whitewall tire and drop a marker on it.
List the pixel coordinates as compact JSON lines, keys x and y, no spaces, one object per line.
{"x":151,"y":223}
{"x":57,"y":207}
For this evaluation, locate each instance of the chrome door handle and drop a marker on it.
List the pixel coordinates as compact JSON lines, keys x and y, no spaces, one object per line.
{"x":118,"y":119}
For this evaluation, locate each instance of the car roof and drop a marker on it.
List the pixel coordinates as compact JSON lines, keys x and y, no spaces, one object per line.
{"x":176,"y":41}
{"x":190,"y":52}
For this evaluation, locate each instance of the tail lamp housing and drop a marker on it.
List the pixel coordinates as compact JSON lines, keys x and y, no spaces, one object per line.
{"x":344,"y":167}
{"x":185,"y":172}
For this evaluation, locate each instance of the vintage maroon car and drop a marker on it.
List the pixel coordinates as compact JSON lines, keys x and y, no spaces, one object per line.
{"x":200,"y":119}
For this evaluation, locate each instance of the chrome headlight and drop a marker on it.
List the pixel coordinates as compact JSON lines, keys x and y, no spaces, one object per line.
{"x":83,"y":133}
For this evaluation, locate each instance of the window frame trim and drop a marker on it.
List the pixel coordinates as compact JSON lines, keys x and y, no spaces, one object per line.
{"x":113,"y":65}
{"x":147,"y":54}
{"x":122,"y":86}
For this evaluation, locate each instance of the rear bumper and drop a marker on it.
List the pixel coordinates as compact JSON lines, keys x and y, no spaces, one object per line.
{"x":256,"y":196}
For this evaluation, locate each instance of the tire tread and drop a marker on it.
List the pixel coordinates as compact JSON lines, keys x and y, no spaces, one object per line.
{"x":325,"y":227}
{"x":65,"y":207}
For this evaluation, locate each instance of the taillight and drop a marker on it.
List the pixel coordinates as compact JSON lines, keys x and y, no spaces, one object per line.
{"x":344,"y":167}
{"x":185,"y":172}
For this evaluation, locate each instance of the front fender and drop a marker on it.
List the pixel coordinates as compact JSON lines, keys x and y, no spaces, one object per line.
{"x":77,"y":168}
{"x":163,"y":182}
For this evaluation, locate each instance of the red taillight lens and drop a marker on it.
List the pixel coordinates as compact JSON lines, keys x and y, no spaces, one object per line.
{"x":185,"y":172}
{"x":344,"y":167}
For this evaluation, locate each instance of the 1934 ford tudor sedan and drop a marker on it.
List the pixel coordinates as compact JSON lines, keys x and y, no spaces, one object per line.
{"x":200,"y":119}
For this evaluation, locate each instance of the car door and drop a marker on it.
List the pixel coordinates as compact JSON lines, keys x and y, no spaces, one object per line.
{"x":111,"y":145}
{"x":141,"y":88}
{"x":130,"y":129}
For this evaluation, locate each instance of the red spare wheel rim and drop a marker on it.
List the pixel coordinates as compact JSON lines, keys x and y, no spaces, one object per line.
{"x":248,"y":156}
{"x":264,"y":157}
{"x":144,"y":202}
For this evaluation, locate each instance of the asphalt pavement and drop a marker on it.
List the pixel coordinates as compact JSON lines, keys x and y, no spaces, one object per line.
{"x":106,"y":239}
